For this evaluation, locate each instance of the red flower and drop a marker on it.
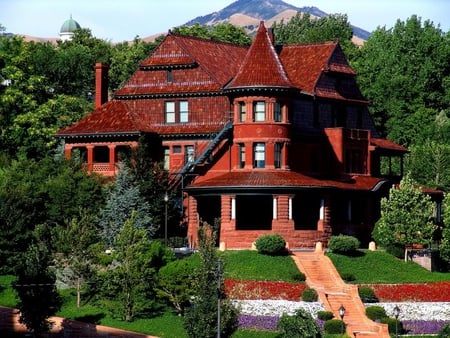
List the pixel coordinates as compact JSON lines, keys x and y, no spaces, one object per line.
{"x":241,"y":289}
{"x":423,"y":292}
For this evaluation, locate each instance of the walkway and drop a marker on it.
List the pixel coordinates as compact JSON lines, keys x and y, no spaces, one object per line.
{"x":322,"y":276}
{"x":9,"y":320}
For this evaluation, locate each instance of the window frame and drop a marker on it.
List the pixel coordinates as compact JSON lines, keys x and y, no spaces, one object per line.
{"x":259,"y":115}
{"x":259,"y":155}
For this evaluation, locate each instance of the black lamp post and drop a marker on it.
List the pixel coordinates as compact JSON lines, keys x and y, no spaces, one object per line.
{"x":396,"y":314}
{"x":166,"y":200}
{"x":341,"y":314}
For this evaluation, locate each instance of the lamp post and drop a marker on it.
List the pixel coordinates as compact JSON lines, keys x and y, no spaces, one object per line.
{"x":166,"y":200}
{"x":396,"y":314}
{"x":341,"y":314}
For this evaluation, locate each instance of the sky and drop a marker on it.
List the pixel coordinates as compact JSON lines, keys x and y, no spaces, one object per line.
{"x":123,"y":20}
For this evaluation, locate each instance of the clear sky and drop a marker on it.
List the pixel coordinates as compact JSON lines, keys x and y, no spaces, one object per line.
{"x":119,"y":20}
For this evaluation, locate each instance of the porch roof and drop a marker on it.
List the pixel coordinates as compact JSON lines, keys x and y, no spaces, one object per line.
{"x":285,"y":180}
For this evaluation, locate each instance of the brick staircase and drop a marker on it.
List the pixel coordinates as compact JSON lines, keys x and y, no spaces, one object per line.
{"x":322,"y":276}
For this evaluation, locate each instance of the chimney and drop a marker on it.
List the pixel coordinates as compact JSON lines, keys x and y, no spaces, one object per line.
{"x":101,"y":84}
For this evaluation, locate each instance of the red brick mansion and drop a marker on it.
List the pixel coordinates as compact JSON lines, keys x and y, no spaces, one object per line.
{"x":268,"y":138}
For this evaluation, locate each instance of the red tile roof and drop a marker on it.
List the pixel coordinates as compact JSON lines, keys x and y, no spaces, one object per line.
{"x":261,"y":66}
{"x":214,"y":64}
{"x":386,"y":144}
{"x":284,"y":179}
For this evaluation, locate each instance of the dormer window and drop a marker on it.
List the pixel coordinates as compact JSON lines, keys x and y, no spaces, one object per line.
{"x":259,"y":111}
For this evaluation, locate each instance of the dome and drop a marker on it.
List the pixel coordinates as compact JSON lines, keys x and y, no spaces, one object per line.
{"x":69,"y":26}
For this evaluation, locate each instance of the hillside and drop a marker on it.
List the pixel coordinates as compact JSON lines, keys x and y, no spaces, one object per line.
{"x":248,"y":13}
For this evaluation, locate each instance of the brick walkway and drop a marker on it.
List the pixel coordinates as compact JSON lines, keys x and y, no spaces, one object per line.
{"x":64,"y":328}
{"x":322,"y":276}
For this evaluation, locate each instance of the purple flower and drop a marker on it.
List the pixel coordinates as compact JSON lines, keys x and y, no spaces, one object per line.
{"x":423,"y":326}
{"x":265,"y":323}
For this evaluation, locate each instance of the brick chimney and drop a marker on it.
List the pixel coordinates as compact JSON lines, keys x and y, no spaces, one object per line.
{"x":101,"y":84}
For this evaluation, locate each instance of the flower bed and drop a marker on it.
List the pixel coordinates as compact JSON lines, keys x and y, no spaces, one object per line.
{"x":238,"y":289}
{"x":423,"y":292}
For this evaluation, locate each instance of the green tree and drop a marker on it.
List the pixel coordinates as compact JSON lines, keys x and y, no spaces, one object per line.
{"x":123,"y":199}
{"x":74,"y":258}
{"x":130,"y":279}
{"x":125,"y":58}
{"x":201,"y":319}
{"x":300,"y":325}
{"x":224,"y":32}
{"x":175,"y":282}
{"x":406,"y":216}
{"x":302,"y":28}
{"x":444,"y":247}
{"x":35,"y":287}
{"x":404,"y":72}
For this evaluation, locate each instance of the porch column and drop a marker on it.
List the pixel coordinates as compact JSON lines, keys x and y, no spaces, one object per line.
{"x":112,"y":158}
{"x":324,"y":223}
{"x":228,"y":220}
{"x":68,"y":151}
{"x":90,"y":158}
{"x":193,"y":222}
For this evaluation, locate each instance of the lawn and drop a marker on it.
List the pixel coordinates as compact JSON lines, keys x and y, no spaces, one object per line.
{"x":371,"y":267}
{"x":367,"y":267}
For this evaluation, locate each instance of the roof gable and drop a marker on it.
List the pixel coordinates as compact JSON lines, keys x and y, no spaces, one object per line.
{"x":261,"y":66}
{"x":198,"y":66}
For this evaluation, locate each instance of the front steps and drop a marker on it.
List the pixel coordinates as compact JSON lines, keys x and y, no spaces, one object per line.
{"x":322,"y":276}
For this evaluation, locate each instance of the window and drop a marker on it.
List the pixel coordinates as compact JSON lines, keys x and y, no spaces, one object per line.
{"x":166,"y":158}
{"x":169,"y":76}
{"x":189,"y":154}
{"x":184,"y":111}
{"x":241,"y":155}
{"x":354,"y":161}
{"x":259,"y":151}
{"x":242,"y":112}
{"x":176,"y":149}
{"x":170,"y":112}
{"x":259,"y":111}
{"x":278,"y":112}
{"x":278,"y":154}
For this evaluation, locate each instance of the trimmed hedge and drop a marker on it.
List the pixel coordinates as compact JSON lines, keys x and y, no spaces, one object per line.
{"x":376,"y":312}
{"x":271,"y":244}
{"x":309,"y":295}
{"x":343,"y":244}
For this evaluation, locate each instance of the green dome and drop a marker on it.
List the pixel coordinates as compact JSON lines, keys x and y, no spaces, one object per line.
{"x":69,"y":26}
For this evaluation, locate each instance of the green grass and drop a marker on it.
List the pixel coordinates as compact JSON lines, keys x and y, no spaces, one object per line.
{"x":250,"y":265}
{"x":371,"y":267}
{"x":367,"y":267}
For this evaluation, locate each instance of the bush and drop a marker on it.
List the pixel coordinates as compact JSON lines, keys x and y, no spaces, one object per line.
{"x":445,"y":331}
{"x":396,"y":250}
{"x":343,"y":244}
{"x":367,"y":295}
{"x":348,"y":276}
{"x":376,"y":312}
{"x":325,"y":315}
{"x":271,"y":244}
{"x":309,"y":295}
{"x":300,"y":325}
{"x":393,"y":324}
{"x":334,"y":326}
{"x":299,"y":277}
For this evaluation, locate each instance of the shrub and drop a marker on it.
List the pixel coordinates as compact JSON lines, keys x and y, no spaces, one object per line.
{"x":309,"y":295}
{"x":271,"y":244}
{"x":348,"y":276}
{"x":325,"y":315}
{"x":334,"y":326}
{"x":299,"y":277}
{"x":376,"y":312}
{"x":393,"y":324}
{"x":343,"y":244}
{"x":300,"y":325}
{"x":367,"y":295}
{"x":445,"y":331}
{"x":396,"y":250}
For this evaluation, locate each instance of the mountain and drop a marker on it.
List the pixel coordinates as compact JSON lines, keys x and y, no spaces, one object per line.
{"x":248,"y":14}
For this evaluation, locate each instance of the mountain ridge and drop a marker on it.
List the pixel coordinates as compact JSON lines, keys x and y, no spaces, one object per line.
{"x":265,"y":10}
